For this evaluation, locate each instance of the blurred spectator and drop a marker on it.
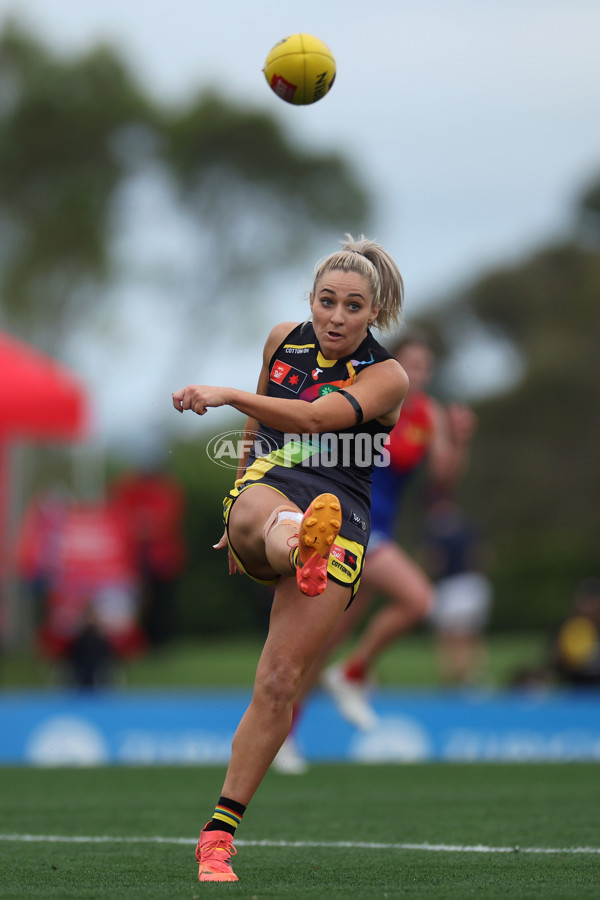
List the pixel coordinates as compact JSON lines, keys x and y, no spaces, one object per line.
{"x":456,"y":559}
{"x":80,"y":562}
{"x":39,"y":545}
{"x":90,"y":657}
{"x":153,"y":503}
{"x":576,"y":649}
{"x":573,"y":656}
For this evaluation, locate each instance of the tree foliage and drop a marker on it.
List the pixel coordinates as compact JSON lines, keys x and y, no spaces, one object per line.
{"x":534,"y":473}
{"x":75,"y":132}
{"x":589,"y":212}
{"x":58,"y":173}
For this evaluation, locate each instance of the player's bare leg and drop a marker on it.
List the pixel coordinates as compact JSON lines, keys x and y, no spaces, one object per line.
{"x":393,"y":573}
{"x":298,"y":629}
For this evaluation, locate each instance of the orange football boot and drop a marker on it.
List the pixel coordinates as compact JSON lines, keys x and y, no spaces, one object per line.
{"x":318,"y":530}
{"x":214,"y":852}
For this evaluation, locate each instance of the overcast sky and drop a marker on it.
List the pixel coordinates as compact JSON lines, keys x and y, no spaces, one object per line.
{"x":476,"y":124}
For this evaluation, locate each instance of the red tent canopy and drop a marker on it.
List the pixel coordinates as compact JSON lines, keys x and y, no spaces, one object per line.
{"x":39,"y":399}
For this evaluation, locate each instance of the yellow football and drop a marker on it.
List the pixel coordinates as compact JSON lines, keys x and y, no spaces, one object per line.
{"x":300,"y":69}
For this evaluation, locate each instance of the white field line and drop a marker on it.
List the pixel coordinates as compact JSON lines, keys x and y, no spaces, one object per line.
{"x":359,"y":845}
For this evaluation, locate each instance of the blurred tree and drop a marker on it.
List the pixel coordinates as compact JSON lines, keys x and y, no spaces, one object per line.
{"x":58,"y":173}
{"x":257,"y":195}
{"x":549,"y":308}
{"x":534,"y":472}
{"x":589,"y":212}
{"x":75,"y":132}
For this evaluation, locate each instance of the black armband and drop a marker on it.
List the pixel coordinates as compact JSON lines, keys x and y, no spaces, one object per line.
{"x":354,"y":402}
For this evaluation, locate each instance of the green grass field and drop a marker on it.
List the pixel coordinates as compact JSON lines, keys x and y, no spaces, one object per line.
{"x":336,"y":810}
{"x":231,"y":663}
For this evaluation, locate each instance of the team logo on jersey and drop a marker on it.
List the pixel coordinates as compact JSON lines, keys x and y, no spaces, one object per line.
{"x":316,"y":372}
{"x":344,"y":556}
{"x":287,"y":376}
{"x":327,"y":389}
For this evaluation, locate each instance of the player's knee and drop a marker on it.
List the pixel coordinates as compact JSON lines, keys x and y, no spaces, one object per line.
{"x":415,"y":607}
{"x":423,"y":602}
{"x":279,"y":683}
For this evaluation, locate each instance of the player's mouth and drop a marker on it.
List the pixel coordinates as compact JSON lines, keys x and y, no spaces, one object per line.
{"x":334,"y":335}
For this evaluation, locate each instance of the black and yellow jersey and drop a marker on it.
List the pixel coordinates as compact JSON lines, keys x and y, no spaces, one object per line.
{"x":300,"y":467}
{"x":328,"y":461}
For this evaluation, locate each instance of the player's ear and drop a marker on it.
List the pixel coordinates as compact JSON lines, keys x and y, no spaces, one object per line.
{"x":374,"y":313}
{"x":311,"y":300}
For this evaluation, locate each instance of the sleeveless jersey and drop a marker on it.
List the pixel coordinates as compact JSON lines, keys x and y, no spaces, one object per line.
{"x":340,"y":462}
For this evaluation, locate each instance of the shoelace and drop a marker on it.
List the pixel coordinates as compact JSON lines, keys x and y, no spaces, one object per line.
{"x":208,"y":850}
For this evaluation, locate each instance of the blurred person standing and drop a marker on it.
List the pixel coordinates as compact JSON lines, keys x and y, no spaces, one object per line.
{"x":39,"y":544}
{"x":426,"y":433}
{"x":90,"y":658}
{"x":456,"y":558}
{"x":79,"y":561}
{"x":153,"y":503}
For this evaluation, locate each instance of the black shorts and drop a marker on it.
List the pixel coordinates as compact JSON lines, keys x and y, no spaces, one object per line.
{"x":347,"y":555}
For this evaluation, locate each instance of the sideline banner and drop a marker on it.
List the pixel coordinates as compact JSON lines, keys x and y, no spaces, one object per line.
{"x":164,"y":727}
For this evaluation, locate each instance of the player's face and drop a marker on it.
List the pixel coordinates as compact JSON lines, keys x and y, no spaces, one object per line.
{"x":342,"y":310}
{"x":418,"y":363}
